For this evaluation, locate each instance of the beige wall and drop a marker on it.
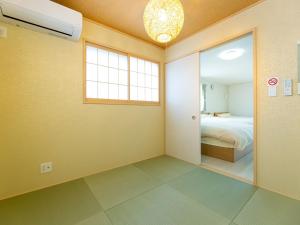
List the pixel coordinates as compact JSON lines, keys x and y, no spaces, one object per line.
{"x":42,"y":117}
{"x":278,"y":32}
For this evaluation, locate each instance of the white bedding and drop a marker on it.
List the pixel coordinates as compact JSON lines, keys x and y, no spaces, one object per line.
{"x":237,"y":131}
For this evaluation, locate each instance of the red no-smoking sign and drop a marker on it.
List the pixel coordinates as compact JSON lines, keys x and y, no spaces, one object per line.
{"x":273,"y":81}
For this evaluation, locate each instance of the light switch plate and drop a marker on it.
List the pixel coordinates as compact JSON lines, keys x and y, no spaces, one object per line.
{"x":288,"y":87}
{"x":3,"y":32}
{"x":298,"y":88}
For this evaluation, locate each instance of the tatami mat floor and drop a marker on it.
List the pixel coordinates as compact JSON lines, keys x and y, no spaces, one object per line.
{"x":159,"y":191}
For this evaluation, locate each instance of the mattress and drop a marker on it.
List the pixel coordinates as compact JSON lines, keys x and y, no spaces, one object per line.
{"x":232,"y":132}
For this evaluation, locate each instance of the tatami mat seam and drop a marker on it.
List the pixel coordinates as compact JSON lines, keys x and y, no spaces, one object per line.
{"x":241,"y":209}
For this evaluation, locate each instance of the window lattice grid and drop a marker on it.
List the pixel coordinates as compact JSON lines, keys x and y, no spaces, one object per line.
{"x":144,"y":80}
{"x":106,"y":74}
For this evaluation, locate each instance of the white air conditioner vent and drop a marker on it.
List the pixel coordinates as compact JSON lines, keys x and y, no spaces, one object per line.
{"x":42,"y":15}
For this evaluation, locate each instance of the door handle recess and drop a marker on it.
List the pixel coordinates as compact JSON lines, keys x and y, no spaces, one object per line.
{"x":194,"y":117}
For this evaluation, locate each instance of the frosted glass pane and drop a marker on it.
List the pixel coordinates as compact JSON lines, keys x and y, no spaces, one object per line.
{"x":154,"y":82}
{"x":91,"y":72}
{"x":141,"y":93}
{"x":154,"y":69}
{"x":102,"y":57}
{"x":148,"y":96}
{"x":133,"y":93}
{"x":148,"y":81}
{"x":113,"y":76}
{"x":91,"y":54}
{"x":123,"y":92}
{"x":155,"y":95}
{"x":123,"y":62}
{"x":91,"y":89}
{"x":141,"y":66}
{"x":133,"y":64}
{"x":133,"y":78}
{"x":141,"y":80}
{"x":148,"y":67}
{"x":113,"y":91}
{"x":113,"y":60}
{"x":103,"y":74}
{"x":123,"y":77}
{"x":103,"y":90}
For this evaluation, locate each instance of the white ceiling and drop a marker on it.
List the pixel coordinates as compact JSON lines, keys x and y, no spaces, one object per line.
{"x":235,"y":71}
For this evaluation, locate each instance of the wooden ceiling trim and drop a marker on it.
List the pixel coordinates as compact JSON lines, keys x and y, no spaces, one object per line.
{"x":217,"y":22}
{"x":123,"y":33}
{"x":126,"y":16}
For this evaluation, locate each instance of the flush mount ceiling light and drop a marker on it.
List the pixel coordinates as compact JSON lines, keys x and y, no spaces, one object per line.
{"x":231,"y":54}
{"x":163,"y":19}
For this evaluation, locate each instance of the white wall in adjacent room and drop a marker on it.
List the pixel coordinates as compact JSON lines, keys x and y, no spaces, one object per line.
{"x":240,"y":99}
{"x":216,"y":97}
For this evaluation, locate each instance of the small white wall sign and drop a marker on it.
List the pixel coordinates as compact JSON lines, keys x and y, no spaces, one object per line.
{"x":272,"y":86}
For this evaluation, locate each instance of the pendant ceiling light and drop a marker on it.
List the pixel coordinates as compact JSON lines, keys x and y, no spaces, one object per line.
{"x":163,"y":19}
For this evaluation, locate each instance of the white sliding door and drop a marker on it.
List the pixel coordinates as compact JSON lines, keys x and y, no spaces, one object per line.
{"x":182,"y":109}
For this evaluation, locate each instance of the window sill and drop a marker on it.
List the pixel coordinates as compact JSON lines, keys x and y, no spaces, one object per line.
{"x":119,"y":102}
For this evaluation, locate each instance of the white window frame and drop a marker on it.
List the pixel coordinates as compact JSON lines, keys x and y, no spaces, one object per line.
{"x":117,"y":101}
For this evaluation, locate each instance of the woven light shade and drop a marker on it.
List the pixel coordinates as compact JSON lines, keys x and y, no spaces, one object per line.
{"x":163,"y":19}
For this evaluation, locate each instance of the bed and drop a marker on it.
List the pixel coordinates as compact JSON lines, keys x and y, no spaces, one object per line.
{"x":228,"y":138}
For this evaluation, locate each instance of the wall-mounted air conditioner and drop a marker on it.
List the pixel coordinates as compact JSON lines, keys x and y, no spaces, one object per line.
{"x":42,"y":15}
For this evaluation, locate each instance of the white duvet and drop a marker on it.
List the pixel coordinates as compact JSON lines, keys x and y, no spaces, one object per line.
{"x":237,"y":131}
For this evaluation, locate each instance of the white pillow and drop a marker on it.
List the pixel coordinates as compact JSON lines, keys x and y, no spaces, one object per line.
{"x":223,"y":114}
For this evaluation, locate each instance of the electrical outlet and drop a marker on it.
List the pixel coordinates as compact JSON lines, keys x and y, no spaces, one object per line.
{"x":46,"y":167}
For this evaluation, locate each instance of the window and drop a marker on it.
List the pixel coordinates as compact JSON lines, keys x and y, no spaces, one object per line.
{"x":143,"y":80}
{"x":106,"y":74}
{"x":113,"y":77}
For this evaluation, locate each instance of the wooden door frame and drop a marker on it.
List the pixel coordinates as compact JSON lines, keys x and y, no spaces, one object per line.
{"x":252,"y":31}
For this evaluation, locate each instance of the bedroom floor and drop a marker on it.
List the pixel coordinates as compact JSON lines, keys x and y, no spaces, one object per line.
{"x":242,"y":168}
{"x":160,"y":191}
